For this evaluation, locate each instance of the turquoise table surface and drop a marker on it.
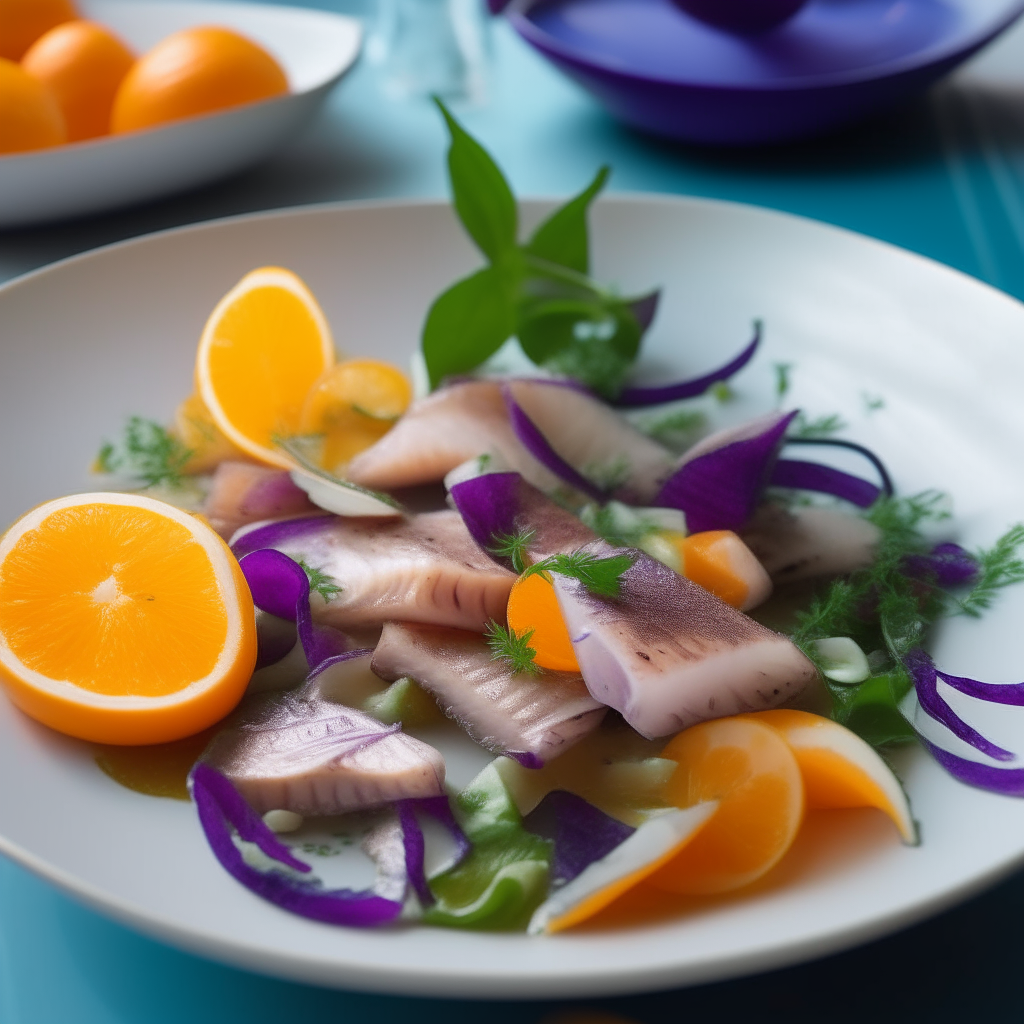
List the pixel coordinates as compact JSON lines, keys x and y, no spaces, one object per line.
{"x":942,"y":175}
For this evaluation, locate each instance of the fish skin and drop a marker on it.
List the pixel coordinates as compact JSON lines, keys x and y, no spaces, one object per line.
{"x":667,"y":654}
{"x":542,"y":715}
{"x":297,"y":751}
{"x":423,"y":568}
{"x":243,"y":493}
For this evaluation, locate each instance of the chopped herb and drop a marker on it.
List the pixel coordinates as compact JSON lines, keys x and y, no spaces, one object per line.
{"x":872,"y":403}
{"x":320,"y":582}
{"x":783,"y":380}
{"x":722,"y":392}
{"x":811,"y":430}
{"x":999,"y":566}
{"x":514,"y":650}
{"x":148,"y":453}
{"x":608,"y":475}
{"x":676,"y":429}
{"x":602,"y":577}
{"x":513,"y":547}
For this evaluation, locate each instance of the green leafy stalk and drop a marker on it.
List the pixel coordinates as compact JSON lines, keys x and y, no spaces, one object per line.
{"x":148,"y":453}
{"x":562,"y":238}
{"x":513,"y":546}
{"x":320,"y":582}
{"x":999,"y":566}
{"x":601,"y":577}
{"x":514,"y":650}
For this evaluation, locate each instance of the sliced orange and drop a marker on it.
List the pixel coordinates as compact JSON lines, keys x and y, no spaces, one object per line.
{"x":262,"y":350}
{"x":353,"y":405}
{"x":122,"y":620}
{"x":29,"y":115}
{"x":533,"y":605}
{"x":22,"y":22}
{"x":719,"y":561}
{"x":199,"y":433}
{"x":753,"y":774}
{"x":839,"y":769}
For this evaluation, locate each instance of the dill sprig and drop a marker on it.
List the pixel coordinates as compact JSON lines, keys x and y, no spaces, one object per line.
{"x":512,"y":649}
{"x":148,"y":452}
{"x":512,"y":546}
{"x":676,"y":429}
{"x":320,"y":582}
{"x":998,"y":567}
{"x":601,"y":577}
{"x":814,"y":430}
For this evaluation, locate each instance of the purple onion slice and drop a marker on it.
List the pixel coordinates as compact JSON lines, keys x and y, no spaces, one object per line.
{"x":813,"y":476}
{"x":1005,"y":781}
{"x":488,"y":505}
{"x":266,"y":535}
{"x":947,"y":565}
{"x":440,"y":810}
{"x":641,"y":396}
{"x":831,"y":442}
{"x":222,"y":809}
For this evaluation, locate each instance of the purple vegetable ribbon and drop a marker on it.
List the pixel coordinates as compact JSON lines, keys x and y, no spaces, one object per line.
{"x":635,"y":397}
{"x":221,"y":807}
{"x":947,"y":565}
{"x":280,"y":587}
{"x":278,"y":532}
{"x":440,"y":809}
{"x":813,"y":476}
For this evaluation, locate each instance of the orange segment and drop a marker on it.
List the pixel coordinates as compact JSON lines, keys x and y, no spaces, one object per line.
{"x":122,"y":620}
{"x":198,"y":432}
{"x":354,"y":404}
{"x":533,"y":605}
{"x":720,"y":562}
{"x":750,"y":770}
{"x":29,"y":116}
{"x":22,"y":22}
{"x":839,"y":768}
{"x":263,"y":348}
{"x":82,"y":64}
{"x":193,"y":72}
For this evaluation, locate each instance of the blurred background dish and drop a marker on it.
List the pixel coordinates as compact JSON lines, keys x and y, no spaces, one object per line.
{"x":661,"y":70}
{"x":314,"y":48}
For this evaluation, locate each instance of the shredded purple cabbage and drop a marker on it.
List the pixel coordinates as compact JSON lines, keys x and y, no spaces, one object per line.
{"x":581,"y":832}
{"x":537,"y":445}
{"x":813,"y":476}
{"x":718,"y":487}
{"x":851,"y":446}
{"x":269,"y":534}
{"x":526,"y":758}
{"x":440,"y":809}
{"x":947,"y":565}
{"x":488,"y":505}
{"x":1005,"y":781}
{"x":280,"y":587}
{"x":221,"y":808}
{"x":640,"y":396}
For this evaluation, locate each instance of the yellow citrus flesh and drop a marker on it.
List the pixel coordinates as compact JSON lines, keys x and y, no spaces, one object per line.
{"x":750,"y":770}
{"x":30,"y":117}
{"x":262,"y":350}
{"x":839,"y":769}
{"x":533,"y":606}
{"x":122,"y":620}
{"x":198,"y":432}
{"x":353,"y":405}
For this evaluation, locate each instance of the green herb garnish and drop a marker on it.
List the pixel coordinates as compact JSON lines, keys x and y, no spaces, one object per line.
{"x":813,"y":430}
{"x":512,"y":546}
{"x":601,"y":577}
{"x":320,"y":582}
{"x":998,"y":567}
{"x":539,"y":291}
{"x":512,"y":649}
{"x":148,"y":452}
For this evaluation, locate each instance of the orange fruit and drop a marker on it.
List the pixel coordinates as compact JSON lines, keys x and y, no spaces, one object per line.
{"x":533,"y":605}
{"x":29,"y":115}
{"x":22,"y":22}
{"x":122,"y":620}
{"x":753,"y":774}
{"x":353,"y":405}
{"x":82,"y":64}
{"x":720,"y":562}
{"x":264,"y":347}
{"x":195,"y":427}
{"x":839,"y":769}
{"x":194,"y":72}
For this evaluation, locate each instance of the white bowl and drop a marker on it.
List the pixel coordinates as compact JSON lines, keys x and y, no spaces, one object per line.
{"x":315,"y":48}
{"x":111,"y":333}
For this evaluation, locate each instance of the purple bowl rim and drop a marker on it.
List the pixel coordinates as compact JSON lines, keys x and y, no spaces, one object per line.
{"x":939,"y":54}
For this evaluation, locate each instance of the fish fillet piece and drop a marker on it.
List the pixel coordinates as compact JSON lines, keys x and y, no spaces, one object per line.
{"x":804,"y":542}
{"x":299,"y":752}
{"x":423,"y":568}
{"x":667,"y":654}
{"x":542,"y":715}
{"x":243,"y":493}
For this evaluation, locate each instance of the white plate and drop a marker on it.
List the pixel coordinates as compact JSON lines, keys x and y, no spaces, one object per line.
{"x":100,"y":336}
{"x":315,"y":48}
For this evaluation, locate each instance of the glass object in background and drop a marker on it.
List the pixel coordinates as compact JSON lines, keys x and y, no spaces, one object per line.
{"x":426,"y":47}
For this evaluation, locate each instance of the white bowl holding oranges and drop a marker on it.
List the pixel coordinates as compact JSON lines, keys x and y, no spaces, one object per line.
{"x":314,"y":50}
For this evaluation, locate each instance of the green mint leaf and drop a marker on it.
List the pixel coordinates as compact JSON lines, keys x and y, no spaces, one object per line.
{"x":480,"y":194}
{"x":512,"y":546}
{"x":563,"y":238}
{"x":999,"y":566}
{"x":148,"y":452}
{"x":320,"y":582}
{"x":467,"y":324}
{"x":514,"y":650}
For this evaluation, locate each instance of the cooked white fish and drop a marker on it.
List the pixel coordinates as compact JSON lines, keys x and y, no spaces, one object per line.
{"x":297,"y":751}
{"x":242,"y":493}
{"x":506,"y":712}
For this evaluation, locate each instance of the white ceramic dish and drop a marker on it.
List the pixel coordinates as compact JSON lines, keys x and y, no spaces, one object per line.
{"x":315,"y":48}
{"x":100,"y":336}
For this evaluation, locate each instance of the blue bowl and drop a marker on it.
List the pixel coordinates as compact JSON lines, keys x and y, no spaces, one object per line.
{"x":657,"y":68}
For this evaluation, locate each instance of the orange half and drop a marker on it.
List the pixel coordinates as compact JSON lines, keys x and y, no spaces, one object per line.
{"x":122,"y":620}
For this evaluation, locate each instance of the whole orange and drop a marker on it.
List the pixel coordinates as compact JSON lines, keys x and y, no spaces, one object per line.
{"x":82,"y":64}
{"x":195,"y":72}
{"x":22,"y":22}
{"x":29,"y":116}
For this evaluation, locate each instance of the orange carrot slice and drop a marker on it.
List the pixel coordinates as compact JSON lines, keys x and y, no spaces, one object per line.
{"x":533,"y":605}
{"x":719,"y":561}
